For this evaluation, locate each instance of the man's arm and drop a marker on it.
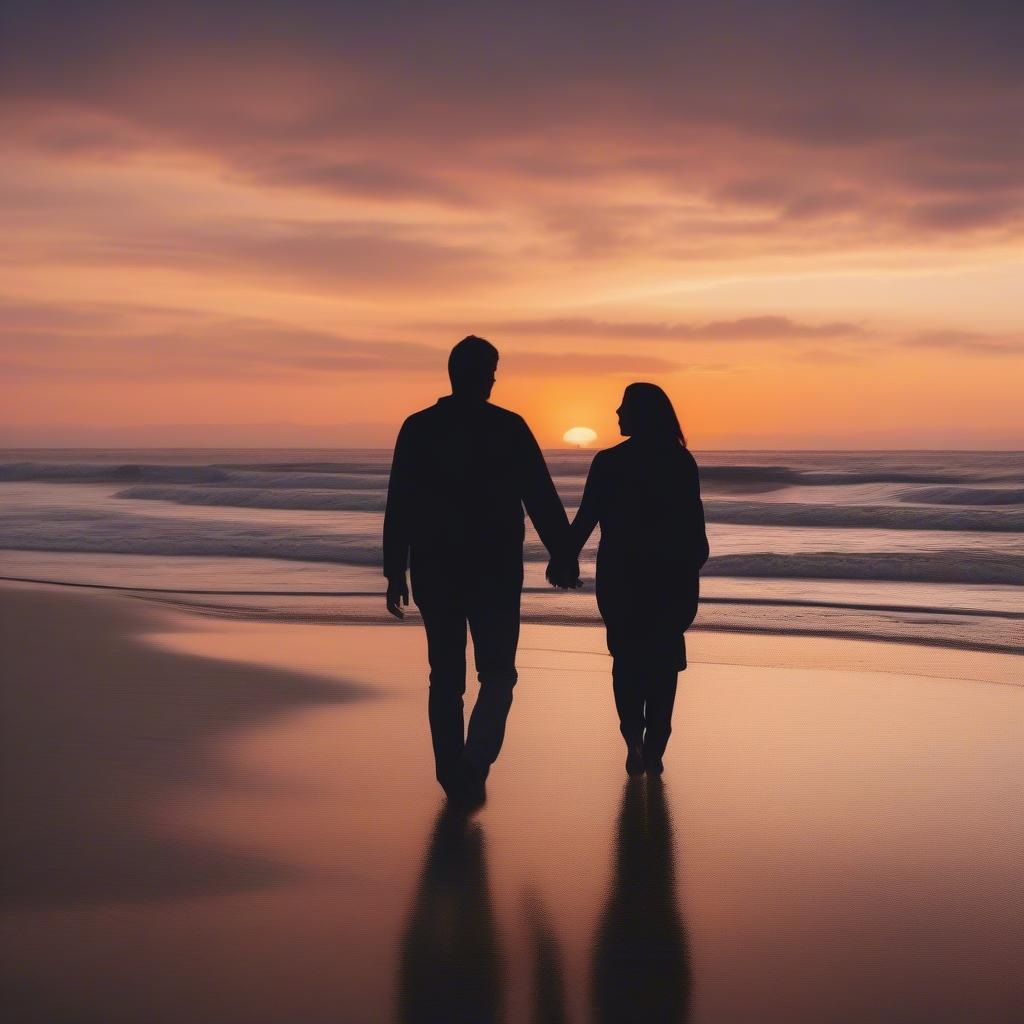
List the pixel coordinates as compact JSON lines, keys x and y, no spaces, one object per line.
{"x":397,"y":531}
{"x":543,"y":505}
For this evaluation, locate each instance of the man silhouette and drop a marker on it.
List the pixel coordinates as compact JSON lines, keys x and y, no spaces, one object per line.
{"x":462,"y":471}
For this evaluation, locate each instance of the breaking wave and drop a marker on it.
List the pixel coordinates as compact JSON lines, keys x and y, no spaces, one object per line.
{"x":965,"y":495}
{"x":788,"y":476}
{"x":296,"y":477}
{"x":918,"y":567}
{"x":85,"y":530}
{"x":101,"y":473}
{"x":332,"y":475}
{"x":885,"y":517}
{"x":88,"y":531}
{"x":735,"y":512}
{"x":306,"y":499}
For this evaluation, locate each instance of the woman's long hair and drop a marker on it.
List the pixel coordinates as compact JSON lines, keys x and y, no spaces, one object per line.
{"x":652,"y":413}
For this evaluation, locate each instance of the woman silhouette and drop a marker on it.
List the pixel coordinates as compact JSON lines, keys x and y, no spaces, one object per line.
{"x":645,"y":493}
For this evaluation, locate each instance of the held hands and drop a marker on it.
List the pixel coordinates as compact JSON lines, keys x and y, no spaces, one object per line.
{"x":564,"y":573}
{"x":398,"y":594}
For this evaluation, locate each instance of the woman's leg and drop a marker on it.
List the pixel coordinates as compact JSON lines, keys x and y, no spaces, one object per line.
{"x":661,"y":697}
{"x":627,"y":684}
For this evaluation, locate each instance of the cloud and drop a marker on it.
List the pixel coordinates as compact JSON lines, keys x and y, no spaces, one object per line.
{"x":585,"y":364}
{"x":968,"y":342}
{"x":131,"y":342}
{"x":753,"y":328}
{"x":278,"y":434}
{"x":838,"y":106}
{"x":213,"y":354}
{"x":374,"y":179}
{"x":140,"y":342}
{"x":826,"y":203}
{"x":33,"y":316}
{"x":392,"y":147}
{"x":756,"y":191}
{"x":827,"y":356}
{"x":397,"y":163}
{"x":333,"y":256}
{"x":958,"y":215}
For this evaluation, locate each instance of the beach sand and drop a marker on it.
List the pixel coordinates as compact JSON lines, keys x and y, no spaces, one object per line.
{"x":232,"y":821}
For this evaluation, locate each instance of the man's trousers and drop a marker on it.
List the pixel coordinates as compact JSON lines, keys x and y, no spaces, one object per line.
{"x":487,"y":605}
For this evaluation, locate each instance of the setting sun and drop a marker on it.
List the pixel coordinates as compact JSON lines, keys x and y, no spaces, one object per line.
{"x":580,"y":436}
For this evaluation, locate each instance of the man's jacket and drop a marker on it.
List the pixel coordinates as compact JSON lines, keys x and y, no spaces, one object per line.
{"x":461,"y":473}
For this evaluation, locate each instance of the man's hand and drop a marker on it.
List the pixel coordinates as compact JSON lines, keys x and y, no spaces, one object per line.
{"x":564,"y":573}
{"x":398,"y":594}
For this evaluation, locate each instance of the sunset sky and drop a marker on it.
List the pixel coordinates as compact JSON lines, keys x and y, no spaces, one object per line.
{"x":267,"y":223}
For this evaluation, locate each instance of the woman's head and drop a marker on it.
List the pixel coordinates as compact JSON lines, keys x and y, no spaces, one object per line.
{"x":646,"y":411}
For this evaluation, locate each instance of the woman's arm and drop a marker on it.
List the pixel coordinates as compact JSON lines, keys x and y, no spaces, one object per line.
{"x":589,"y":512}
{"x":564,"y":572}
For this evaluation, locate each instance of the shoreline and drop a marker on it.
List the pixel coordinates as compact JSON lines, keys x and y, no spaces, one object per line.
{"x":766,"y":602}
{"x":712,"y":643}
{"x":574,"y":618}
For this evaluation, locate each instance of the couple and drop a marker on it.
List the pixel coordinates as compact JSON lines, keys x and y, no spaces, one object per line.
{"x":462,"y":472}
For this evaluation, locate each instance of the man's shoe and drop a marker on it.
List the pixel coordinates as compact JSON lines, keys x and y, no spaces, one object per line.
{"x":469,"y":792}
{"x":448,"y":779}
{"x":654,"y":764}
{"x":634,"y":762}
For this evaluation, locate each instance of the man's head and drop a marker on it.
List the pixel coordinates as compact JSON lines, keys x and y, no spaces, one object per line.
{"x":471,"y":368}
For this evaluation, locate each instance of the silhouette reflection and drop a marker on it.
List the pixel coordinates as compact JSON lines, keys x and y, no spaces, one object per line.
{"x":451,"y":967}
{"x":451,"y":957}
{"x":548,"y":974}
{"x":641,"y":966}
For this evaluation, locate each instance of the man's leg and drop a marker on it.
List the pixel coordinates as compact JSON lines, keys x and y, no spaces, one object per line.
{"x":445,"y":624}
{"x":494,"y":623}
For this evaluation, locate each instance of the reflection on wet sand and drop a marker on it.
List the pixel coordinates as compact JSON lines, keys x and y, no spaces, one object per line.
{"x":641,"y":964}
{"x":548,"y":969}
{"x":451,"y":966}
{"x":450,"y":963}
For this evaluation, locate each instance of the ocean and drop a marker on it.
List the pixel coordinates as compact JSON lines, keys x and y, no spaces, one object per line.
{"x":922,"y":547}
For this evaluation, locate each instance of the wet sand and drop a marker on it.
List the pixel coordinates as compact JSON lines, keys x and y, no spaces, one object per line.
{"x":224,"y":821}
